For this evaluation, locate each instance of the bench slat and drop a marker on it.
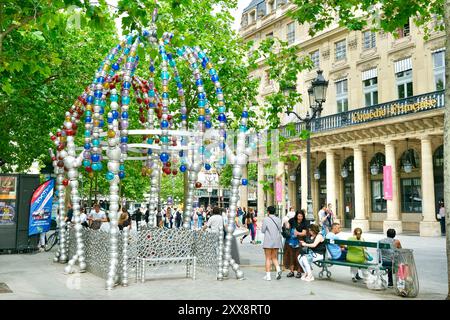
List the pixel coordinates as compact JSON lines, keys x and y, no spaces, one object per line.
{"x":360,"y":244}
{"x":350,"y":264}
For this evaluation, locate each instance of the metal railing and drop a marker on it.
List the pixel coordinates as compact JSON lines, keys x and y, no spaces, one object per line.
{"x":396,"y":108}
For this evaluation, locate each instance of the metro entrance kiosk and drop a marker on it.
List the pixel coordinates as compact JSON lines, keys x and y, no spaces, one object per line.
{"x":15,"y":196}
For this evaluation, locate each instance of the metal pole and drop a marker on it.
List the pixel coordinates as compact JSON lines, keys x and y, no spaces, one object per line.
{"x":309,"y":214}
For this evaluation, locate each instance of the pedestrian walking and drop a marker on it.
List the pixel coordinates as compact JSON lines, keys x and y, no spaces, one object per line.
{"x":441,"y":216}
{"x":271,"y":228}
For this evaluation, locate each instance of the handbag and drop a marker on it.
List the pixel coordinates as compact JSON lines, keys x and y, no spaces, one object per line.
{"x":285,"y":232}
{"x":368,"y":256}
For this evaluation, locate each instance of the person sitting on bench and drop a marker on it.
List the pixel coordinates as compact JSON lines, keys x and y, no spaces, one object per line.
{"x":337,"y":252}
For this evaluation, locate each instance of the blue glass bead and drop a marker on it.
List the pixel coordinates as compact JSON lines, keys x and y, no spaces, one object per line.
{"x":181,"y":153}
{"x":119,"y":47}
{"x":86,"y":163}
{"x":219,"y":90}
{"x":177,"y":79}
{"x":102,"y":110}
{"x":145,"y":33}
{"x":90,"y":99}
{"x":123,"y":139}
{"x":222,"y":117}
{"x":125,"y":115}
{"x":87,"y":133}
{"x":100,"y":79}
{"x":109,"y":176}
{"x":208,"y":154}
{"x":110,"y":120}
{"x":126,"y":85}
{"x":207,"y":111}
{"x":224,"y":135}
{"x":95,"y":143}
{"x":203,"y":64}
{"x":165,"y":75}
{"x":164,"y":157}
{"x":199,"y":82}
{"x":87,"y":146}
{"x":183,"y":168}
{"x":172,"y":63}
{"x":103,"y":103}
{"x":114,"y":98}
{"x":201,"y":118}
{"x":122,"y":167}
{"x":201,"y":55}
{"x":115,"y":114}
{"x":97,"y":101}
{"x":88,"y":119}
{"x":165,"y":95}
{"x":208,"y":124}
{"x":222,"y":109}
{"x":207,"y":166}
{"x":130,"y":59}
{"x":95,"y":166}
{"x":101,"y":123}
{"x":116,"y":66}
{"x":121,"y":174}
{"x":201,"y":103}
{"x":150,"y":141}
{"x":88,"y":113}
{"x":180,"y":51}
{"x":242,"y":128}
{"x":98,"y":93}
{"x":202,"y":95}
{"x":164,"y":124}
{"x":194,"y":66}
{"x":165,"y":139}
{"x":169,"y":56}
{"x":149,"y":151}
{"x":126,"y":51}
{"x":244,"y":182}
{"x":223,"y":161}
{"x":95,"y":157}
{"x":205,"y":60}
{"x":99,"y":166}
{"x":201,"y":149}
{"x":215,"y":78}
{"x":179,"y":85}
{"x":222,"y":145}
{"x":244,"y":114}
{"x":152,"y":68}
{"x":130,"y":39}
{"x":125,"y":100}
{"x":152,"y":105}
{"x":183,"y":117}
{"x":151,"y":93}
{"x":212,"y":71}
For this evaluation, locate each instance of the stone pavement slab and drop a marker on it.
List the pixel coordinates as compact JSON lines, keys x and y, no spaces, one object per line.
{"x":35,"y":276}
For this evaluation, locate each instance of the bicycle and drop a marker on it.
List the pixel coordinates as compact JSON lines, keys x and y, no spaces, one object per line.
{"x":52,"y":240}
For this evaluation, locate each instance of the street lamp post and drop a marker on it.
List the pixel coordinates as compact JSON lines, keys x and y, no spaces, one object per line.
{"x":317,"y":94}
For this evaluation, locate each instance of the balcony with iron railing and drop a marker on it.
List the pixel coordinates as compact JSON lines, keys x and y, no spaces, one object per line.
{"x":392,"y":109}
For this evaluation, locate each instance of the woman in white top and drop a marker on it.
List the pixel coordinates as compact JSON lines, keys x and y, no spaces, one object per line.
{"x":215,"y":222}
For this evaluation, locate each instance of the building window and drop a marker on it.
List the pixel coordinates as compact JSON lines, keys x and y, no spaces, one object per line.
{"x":405,"y":31}
{"x":370,"y":87}
{"x":291,"y":33}
{"x":379,"y":204}
{"x":369,"y":40}
{"x":271,"y":6}
{"x":439,"y":70}
{"x":315,"y":57}
{"x":252,"y":17}
{"x":267,"y":79}
{"x":342,"y":95}
{"x":404,"y":84}
{"x":269,"y":35}
{"x":340,"y":50}
{"x":411,"y":195}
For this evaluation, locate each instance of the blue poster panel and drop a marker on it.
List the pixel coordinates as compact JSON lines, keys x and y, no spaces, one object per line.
{"x":41,"y":208}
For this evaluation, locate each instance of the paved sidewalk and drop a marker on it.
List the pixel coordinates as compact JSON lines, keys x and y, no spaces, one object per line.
{"x":35,"y":276}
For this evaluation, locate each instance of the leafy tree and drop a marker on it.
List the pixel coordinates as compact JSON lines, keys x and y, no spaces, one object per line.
{"x":388,"y":16}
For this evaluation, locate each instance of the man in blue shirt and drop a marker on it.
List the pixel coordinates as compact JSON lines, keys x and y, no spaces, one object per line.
{"x":337,"y":252}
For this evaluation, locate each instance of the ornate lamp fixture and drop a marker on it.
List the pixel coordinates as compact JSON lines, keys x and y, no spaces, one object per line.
{"x":344,"y":171}
{"x":407,"y":165}
{"x":374,"y":167}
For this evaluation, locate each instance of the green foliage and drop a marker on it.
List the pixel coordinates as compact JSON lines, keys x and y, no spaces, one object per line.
{"x":172,"y":186}
{"x":284,"y":67}
{"x":45,"y":62}
{"x":386,"y":15}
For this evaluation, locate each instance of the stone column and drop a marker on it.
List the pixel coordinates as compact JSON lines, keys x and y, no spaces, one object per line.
{"x":280,"y":176}
{"x":331,"y":179}
{"x":360,"y":220}
{"x":292,"y":186}
{"x":261,"y":205}
{"x":393,"y":213}
{"x":304,"y":180}
{"x":243,"y":190}
{"x":429,"y":227}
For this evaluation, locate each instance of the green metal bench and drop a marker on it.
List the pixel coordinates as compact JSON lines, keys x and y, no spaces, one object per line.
{"x":324,"y":263}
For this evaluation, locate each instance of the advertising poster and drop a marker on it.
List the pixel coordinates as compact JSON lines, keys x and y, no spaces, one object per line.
{"x":41,"y":208}
{"x":7,"y":200}
{"x":279,"y":190}
{"x":387,"y":182}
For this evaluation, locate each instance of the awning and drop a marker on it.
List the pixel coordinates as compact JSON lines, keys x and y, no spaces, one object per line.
{"x":369,"y":74}
{"x":403,"y":65}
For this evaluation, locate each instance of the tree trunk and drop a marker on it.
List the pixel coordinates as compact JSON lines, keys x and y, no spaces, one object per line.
{"x":447,"y":137}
